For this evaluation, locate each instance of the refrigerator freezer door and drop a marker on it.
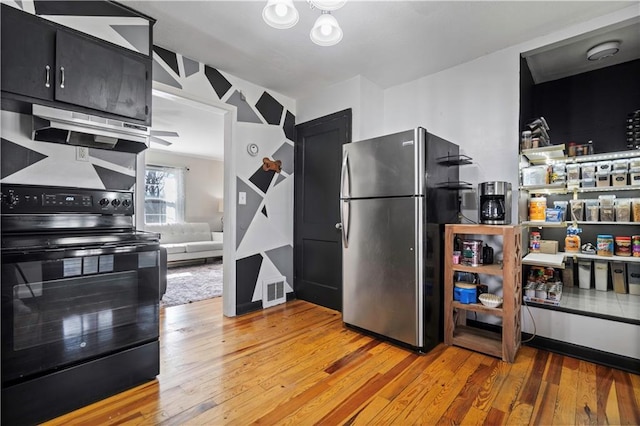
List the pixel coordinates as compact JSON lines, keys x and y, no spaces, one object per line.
{"x":392,"y":165}
{"x":382,"y":268}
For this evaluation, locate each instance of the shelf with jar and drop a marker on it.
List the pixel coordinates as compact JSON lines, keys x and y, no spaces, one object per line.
{"x":591,"y":192}
{"x":462,"y":297}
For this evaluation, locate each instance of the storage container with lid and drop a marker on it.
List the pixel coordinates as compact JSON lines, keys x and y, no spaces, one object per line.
{"x":601,"y":274}
{"x":591,"y":210}
{"x":634,"y":176}
{"x":535,"y":175}
{"x":622,"y":246}
{"x":620,"y":165}
{"x":604,"y":167}
{"x":634,"y":162}
{"x":623,"y":210}
{"x":573,"y":172}
{"x":537,"y":208}
{"x":619,"y":178}
{"x":605,"y":245}
{"x":562,"y":205}
{"x":589,"y":183}
{"x":465,"y":293}
{"x":577,"y":209}
{"x":635,"y":209}
{"x":588,"y":170}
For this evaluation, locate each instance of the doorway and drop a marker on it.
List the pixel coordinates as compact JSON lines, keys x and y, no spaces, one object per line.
{"x":183,"y":190}
{"x":317,"y":228}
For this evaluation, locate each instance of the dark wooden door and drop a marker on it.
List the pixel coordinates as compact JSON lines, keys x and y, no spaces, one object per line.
{"x":317,"y":239}
{"x":99,"y":77}
{"x":28,"y":47}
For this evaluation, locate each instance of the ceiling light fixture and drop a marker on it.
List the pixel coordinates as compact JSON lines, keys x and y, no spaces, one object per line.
{"x":282,"y":14}
{"x":603,"y":50}
{"x":326,"y":31}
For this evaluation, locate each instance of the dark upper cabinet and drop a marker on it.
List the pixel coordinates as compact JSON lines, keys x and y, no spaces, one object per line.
{"x":27,"y":55}
{"x":99,"y":77}
{"x":44,"y":61}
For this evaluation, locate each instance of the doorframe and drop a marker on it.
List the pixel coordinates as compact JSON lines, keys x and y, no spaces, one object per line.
{"x":229,"y":190}
{"x":312,"y":122}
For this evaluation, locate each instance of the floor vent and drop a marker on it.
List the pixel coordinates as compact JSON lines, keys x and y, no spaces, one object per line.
{"x":273,"y":292}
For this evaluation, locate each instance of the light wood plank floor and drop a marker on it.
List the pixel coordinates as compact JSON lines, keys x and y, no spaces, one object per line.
{"x":297,"y":364}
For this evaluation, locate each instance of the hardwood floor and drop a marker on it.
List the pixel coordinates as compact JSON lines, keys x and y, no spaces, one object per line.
{"x":297,"y":364}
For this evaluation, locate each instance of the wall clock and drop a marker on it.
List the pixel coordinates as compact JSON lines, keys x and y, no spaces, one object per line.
{"x":252,"y":149}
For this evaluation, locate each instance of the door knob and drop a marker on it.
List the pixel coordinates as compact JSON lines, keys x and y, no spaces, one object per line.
{"x":338,"y":225}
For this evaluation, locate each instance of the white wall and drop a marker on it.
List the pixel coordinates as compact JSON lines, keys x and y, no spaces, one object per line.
{"x":476,"y":105}
{"x":204,"y":184}
{"x":365,"y":99}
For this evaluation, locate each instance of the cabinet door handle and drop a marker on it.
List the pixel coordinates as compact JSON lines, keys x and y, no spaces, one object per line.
{"x":62,"y":77}
{"x":47,"y":74}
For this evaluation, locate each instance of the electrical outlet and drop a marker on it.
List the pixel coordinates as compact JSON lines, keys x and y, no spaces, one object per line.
{"x":82,"y":153}
{"x":242,"y":198}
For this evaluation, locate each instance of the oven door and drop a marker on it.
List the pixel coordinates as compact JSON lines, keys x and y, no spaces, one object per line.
{"x":61,"y":307}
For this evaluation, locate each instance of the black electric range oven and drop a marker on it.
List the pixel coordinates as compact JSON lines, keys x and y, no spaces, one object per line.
{"x":80,"y":299}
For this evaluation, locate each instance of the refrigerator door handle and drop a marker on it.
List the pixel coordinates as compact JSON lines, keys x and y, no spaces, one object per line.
{"x":344,"y":218}
{"x":345,"y":191}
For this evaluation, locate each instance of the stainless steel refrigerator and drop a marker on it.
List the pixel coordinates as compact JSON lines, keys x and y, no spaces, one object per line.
{"x":396,"y":194}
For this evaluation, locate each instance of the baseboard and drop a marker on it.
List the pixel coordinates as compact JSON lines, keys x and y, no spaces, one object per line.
{"x":621,"y":362}
{"x":245,"y":308}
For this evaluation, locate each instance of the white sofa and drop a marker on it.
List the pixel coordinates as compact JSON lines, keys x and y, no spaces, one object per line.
{"x":188,"y":241}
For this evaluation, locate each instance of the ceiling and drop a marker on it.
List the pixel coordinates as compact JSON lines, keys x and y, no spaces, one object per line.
{"x":191,"y":128}
{"x":387,"y":42}
{"x":568,"y":57}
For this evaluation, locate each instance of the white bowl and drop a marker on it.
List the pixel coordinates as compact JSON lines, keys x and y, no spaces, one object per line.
{"x":490,"y":300}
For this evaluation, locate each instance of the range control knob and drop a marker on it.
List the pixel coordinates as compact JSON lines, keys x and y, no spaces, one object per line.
{"x":10,"y":199}
{"x":126,"y":203}
{"x":104,"y":202}
{"x":115,"y":202}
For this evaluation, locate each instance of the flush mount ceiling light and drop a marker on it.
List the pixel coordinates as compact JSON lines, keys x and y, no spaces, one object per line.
{"x":282,"y":14}
{"x":603,"y":50}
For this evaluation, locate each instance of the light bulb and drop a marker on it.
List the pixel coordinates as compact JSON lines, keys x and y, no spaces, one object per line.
{"x":281,"y":9}
{"x":325,"y":29}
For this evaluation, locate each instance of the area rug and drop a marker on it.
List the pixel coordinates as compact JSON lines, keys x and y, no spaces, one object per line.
{"x":186,"y":284}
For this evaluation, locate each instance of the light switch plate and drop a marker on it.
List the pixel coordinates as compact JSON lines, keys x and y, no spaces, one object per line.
{"x":242,"y":198}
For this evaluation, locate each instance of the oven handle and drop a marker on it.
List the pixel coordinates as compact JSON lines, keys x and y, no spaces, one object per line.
{"x":59,"y":253}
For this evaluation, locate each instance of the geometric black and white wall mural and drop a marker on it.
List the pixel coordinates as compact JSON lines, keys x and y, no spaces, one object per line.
{"x":25,"y":161}
{"x":264,"y":224}
{"x":29,"y":162}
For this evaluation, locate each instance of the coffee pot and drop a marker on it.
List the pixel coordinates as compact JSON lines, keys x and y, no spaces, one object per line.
{"x":495,"y":203}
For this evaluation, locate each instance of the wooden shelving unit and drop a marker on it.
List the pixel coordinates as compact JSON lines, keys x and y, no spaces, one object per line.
{"x":503,"y":345}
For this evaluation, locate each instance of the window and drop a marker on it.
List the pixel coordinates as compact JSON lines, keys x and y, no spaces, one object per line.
{"x":163,"y":195}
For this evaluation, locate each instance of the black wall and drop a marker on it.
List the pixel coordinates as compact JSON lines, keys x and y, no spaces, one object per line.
{"x":589,"y":106}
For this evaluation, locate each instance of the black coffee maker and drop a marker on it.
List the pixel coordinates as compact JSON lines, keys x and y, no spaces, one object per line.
{"x":495,"y":203}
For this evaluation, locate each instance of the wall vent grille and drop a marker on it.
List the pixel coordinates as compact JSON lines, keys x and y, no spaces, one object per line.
{"x":273,"y":291}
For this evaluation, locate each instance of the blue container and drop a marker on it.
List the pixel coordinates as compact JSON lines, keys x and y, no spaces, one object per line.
{"x":465,"y":295}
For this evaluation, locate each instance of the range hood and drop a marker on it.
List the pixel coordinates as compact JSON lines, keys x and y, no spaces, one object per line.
{"x":75,"y":128}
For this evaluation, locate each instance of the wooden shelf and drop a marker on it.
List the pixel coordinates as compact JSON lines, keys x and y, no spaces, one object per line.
{"x":477,"y":307}
{"x":505,"y":345}
{"x":478,"y":340}
{"x":482,"y":269}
